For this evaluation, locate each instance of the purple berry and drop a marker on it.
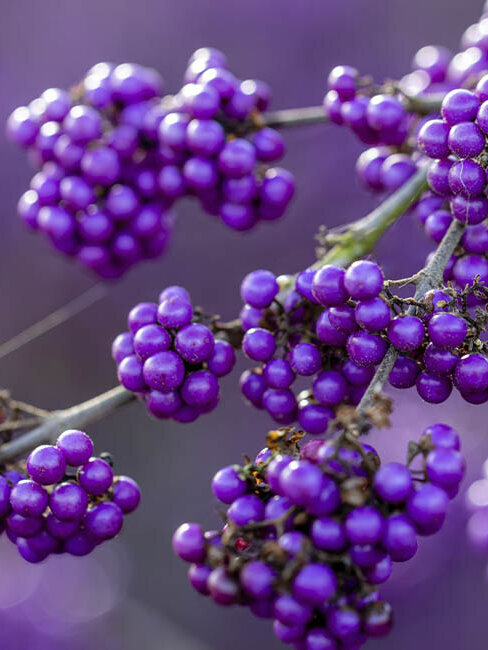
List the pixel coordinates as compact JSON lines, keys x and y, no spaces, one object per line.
{"x":400,"y":539}
{"x":406,"y":333}
{"x":76,"y":447}
{"x":126,"y":494}
{"x":363,"y":280}
{"x":459,"y":106}
{"x":222,"y":587}
{"x":46,"y":465}
{"x":445,"y":467}
{"x":427,"y":508}
{"x":259,"y":288}
{"x":432,"y":139}
{"x":96,"y":476}
{"x":393,"y":483}
{"x":301,"y":482}
{"x":471,"y":373}
{"x":104,"y":521}
{"x":314,"y":584}
{"x":194,"y":343}
{"x":189,"y":543}
{"x":68,"y":502}
{"x":432,"y":388}
{"x":164,"y":371}
{"x":257,"y":580}
{"x":28,"y":499}
{"x":259,"y":344}
{"x":246,"y":509}
{"x":328,"y":286}
{"x":364,"y":525}
{"x":366,"y":349}
{"x":443,"y":436}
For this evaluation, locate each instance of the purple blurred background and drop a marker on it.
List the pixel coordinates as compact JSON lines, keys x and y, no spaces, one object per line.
{"x":133,"y":592}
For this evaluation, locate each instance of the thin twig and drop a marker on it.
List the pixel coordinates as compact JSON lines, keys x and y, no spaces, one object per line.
{"x":16,"y":405}
{"x":24,"y":423}
{"x":61,"y":315}
{"x":422,"y":105}
{"x":295,"y":116}
{"x":74,"y":417}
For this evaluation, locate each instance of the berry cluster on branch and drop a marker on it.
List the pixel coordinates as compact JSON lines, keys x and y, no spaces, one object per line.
{"x":114,"y":154}
{"x":311,"y":531}
{"x":170,"y":359}
{"x":64,"y":499}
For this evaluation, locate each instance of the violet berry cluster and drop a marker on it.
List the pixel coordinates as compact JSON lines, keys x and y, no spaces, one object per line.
{"x":440,"y":349}
{"x":435,"y":70}
{"x":113,"y":155}
{"x":384,"y":168}
{"x":170,"y":360}
{"x":66,"y":500}
{"x":310,"y":336}
{"x":95,"y":193}
{"x":457,"y":178}
{"x":376,"y":118}
{"x":457,"y":142}
{"x":310,"y":533}
{"x":221,"y":150}
{"x":334,"y":329}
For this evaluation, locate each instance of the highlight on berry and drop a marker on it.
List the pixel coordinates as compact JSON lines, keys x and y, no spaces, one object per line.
{"x":312,"y":530}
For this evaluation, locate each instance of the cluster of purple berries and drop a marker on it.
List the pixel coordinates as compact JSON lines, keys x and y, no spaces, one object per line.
{"x":381,"y":120}
{"x":314,"y":334}
{"x":95,"y":195}
{"x":310,"y":533}
{"x":435,"y":70}
{"x":113,"y":155}
{"x":214,"y":160}
{"x":171,"y":361}
{"x":383,"y":168}
{"x":436,"y":352}
{"x":335,"y":328}
{"x":66,"y":501}
{"x":454,"y":136}
{"x":458,"y":179}
{"x":457,"y":142}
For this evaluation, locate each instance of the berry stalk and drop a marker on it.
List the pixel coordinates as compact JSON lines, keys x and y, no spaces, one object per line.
{"x":425,"y":105}
{"x":74,"y":417}
{"x":295,"y":117}
{"x":55,"y":318}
